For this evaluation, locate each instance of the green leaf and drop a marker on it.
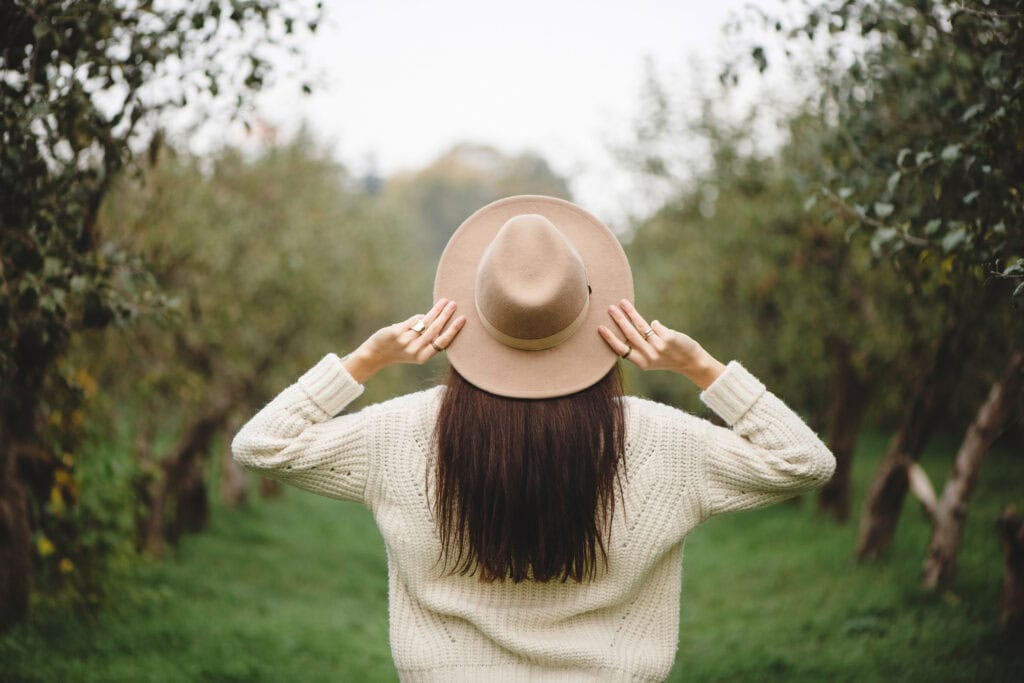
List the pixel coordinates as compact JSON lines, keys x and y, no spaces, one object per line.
{"x":759,"y":58}
{"x":40,"y":30}
{"x":51,"y":267}
{"x":1016,"y":270}
{"x":883,"y":209}
{"x":882,"y":237}
{"x":951,"y":152}
{"x":972,"y":111}
{"x":893,"y":181}
{"x":922,"y":157}
{"x":1018,"y":293}
{"x":845,"y":192}
{"x":904,"y":153}
{"x":971,"y":196}
{"x":953,"y":239}
{"x":932,"y":226}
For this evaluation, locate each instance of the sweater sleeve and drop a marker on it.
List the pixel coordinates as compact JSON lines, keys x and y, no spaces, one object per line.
{"x":768,"y":455}
{"x":297,"y":440}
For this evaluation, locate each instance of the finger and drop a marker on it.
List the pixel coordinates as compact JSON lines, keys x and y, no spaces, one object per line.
{"x":446,"y":337}
{"x":634,"y":316}
{"x":617,"y":345}
{"x":426,"y":319}
{"x":435,"y":311}
{"x":443,"y":340}
{"x":433,"y":329}
{"x":404,"y":332}
{"x":629,"y":331}
{"x":661,"y":330}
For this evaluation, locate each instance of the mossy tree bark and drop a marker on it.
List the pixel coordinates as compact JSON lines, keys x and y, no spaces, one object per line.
{"x":846,"y":414}
{"x":950,"y":512}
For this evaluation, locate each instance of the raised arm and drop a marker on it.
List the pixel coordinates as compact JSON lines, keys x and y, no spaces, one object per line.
{"x":297,"y":438}
{"x":768,"y":453}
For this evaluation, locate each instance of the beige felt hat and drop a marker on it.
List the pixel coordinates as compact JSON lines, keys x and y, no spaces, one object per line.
{"x":534,"y":276}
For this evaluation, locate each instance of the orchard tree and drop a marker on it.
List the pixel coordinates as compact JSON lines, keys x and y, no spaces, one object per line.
{"x":437,"y":198}
{"x":275,"y":261}
{"x":739,"y":260}
{"x":927,"y":165}
{"x":81,"y":86}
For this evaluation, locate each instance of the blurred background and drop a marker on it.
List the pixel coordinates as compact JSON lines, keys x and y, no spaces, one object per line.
{"x":200,"y":199}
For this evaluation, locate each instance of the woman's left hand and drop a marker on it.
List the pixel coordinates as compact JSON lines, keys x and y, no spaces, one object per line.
{"x":415,"y":340}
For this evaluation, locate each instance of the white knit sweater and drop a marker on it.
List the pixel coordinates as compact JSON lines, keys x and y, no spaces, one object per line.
{"x":624,"y":625}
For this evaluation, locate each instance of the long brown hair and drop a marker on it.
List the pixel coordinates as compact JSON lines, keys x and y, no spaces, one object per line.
{"x":525,"y":487}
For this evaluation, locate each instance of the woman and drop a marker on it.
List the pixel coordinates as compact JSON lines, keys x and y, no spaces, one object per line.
{"x":534,"y":517}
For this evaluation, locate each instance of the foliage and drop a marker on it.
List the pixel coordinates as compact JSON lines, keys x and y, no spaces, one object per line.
{"x":82,"y":85}
{"x":440,"y":196}
{"x":736,"y":260}
{"x":272,"y":262}
{"x":928,"y":110}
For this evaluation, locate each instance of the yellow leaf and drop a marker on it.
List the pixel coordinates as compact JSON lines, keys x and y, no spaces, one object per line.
{"x":44,"y":546}
{"x":62,"y":477}
{"x":86,"y":382}
{"x":66,"y":565}
{"x":56,"y":501}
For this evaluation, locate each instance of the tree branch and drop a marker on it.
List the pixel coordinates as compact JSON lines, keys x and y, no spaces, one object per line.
{"x":921,"y":487}
{"x":838,"y":202}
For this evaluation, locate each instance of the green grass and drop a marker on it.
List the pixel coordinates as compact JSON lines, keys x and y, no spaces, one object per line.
{"x":296,"y":589}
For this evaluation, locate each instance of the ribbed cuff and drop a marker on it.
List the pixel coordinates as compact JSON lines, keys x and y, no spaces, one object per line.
{"x":330,"y":385}
{"x":733,"y":392}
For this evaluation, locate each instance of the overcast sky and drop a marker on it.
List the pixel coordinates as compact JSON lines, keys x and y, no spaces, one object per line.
{"x":405,"y":79}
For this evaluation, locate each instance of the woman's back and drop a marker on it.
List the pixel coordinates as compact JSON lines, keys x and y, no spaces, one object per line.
{"x":623,"y":624}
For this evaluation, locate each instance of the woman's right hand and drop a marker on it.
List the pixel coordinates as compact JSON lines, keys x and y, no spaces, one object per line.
{"x":656,"y":347}
{"x":406,"y":342}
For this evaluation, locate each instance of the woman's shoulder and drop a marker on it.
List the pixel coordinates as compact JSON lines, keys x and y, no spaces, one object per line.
{"x":646,"y":414}
{"x":408,"y":404}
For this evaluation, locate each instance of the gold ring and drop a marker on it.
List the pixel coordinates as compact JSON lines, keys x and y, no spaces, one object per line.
{"x":649,"y":332}
{"x":433,"y":342}
{"x":629,"y":350}
{"x":419,"y":327}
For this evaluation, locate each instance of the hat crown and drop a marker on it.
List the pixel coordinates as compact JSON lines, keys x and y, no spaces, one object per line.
{"x":531,"y":285}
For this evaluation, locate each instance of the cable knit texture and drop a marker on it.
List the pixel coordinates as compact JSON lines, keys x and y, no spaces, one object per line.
{"x":624,"y":625}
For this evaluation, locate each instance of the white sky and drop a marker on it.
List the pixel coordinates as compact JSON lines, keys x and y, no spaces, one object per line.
{"x":405,"y":79}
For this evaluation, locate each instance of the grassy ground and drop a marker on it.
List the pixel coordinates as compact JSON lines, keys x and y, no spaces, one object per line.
{"x":296,"y":590}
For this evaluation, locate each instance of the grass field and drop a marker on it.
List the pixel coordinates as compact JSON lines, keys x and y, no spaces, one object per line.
{"x":295,"y":590}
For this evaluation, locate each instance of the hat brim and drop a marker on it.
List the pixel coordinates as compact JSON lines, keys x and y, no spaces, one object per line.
{"x":573,"y":365}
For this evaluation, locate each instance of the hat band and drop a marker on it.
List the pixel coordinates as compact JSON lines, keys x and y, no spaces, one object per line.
{"x":535,"y":344}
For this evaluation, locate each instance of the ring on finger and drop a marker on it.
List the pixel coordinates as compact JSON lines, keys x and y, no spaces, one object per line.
{"x":418,"y":327}
{"x":649,"y":332}
{"x":629,"y":350}
{"x":439,"y":349}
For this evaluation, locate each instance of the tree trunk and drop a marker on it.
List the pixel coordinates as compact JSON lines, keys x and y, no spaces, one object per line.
{"x":849,"y":402}
{"x":951,"y":509}
{"x":885,"y":496}
{"x":270,"y":488}
{"x":178,"y":486}
{"x":1010,"y":528}
{"x":15,"y":536}
{"x":233,"y":491}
